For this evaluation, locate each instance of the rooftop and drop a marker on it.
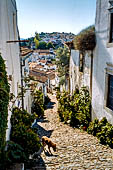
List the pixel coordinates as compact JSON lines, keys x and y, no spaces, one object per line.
{"x":43,"y":61}
{"x":25,"y":51}
{"x":39,"y":78}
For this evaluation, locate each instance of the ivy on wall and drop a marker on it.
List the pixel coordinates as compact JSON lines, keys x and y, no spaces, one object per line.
{"x":4,"y":100}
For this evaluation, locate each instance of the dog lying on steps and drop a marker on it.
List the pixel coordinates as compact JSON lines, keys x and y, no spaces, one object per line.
{"x":47,"y":141}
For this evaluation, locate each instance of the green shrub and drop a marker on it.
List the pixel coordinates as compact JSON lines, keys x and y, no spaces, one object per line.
{"x":64,"y":106}
{"x":74,"y":122}
{"x":26,"y":138}
{"x":85,"y":40}
{"x":15,"y":153}
{"x":103,"y":130}
{"x":96,"y":126}
{"x":76,"y":108}
{"x":47,"y":100}
{"x":105,"y":136}
{"x":60,"y":113}
{"x":58,"y":95}
{"x":38,"y":103}
{"x":83,"y":107}
{"x":4,"y":100}
{"x":102,"y":122}
{"x":22,"y":132}
{"x":22,"y":116}
{"x":93,"y":127}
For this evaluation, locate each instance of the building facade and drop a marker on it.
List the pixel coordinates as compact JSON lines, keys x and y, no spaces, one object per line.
{"x":102,"y":84}
{"x":10,"y":51}
{"x":80,"y":70}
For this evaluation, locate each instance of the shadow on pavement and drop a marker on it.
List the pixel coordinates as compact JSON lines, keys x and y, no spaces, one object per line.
{"x":50,"y":105}
{"x":50,"y":155}
{"x":43,"y":120}
{"x":41,"y":131}
{"x":35,"y":164}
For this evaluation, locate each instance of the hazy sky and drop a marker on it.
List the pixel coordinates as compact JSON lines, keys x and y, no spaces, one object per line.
{"x":54,"y":16}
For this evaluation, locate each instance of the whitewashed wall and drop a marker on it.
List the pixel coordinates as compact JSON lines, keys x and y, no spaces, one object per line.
{"x":27,"y":95}
{"x":77,"y":78}
{"x":103,"y":55}
{"x":74,"y":69}
{"x":10,"y":52}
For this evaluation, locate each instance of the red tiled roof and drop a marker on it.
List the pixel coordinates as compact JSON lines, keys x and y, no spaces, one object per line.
{"x":43,"y":75}
{"x":42,"y":51}
{"x":25,"y":51}
{"x":50,"y":64}
{"x":39,"y":78}
{"x":38,"y":71}
{"x":43,"y":61}
{"x":38,"y":66}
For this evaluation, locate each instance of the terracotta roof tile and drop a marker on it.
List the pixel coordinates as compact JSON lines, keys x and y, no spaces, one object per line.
{"x":37,"y":77}
{"x":25,"y":51}
{"x":43,"y":61}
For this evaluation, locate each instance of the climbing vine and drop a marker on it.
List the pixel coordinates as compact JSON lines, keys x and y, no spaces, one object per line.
{"x":4,"y":100}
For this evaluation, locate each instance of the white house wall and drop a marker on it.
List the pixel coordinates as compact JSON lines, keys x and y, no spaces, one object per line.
{"x":10,"y":51}
{"x":27,"y":95}
{"x":103,"y":55}
{"x":87,"y":70}
{"x":79,"y":79}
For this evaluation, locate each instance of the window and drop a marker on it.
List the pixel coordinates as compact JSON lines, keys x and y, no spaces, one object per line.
{"x":110,"y":92}
{"x":81,"y":62}
{"x":111,"y":28}
{"x":111,"y":21}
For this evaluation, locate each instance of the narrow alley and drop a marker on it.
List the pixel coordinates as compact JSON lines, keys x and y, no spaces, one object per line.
{"x":76,"y":150}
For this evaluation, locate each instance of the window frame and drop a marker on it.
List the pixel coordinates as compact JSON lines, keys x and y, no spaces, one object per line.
{"x":111,"y":28}
{"x":108,"y":71}
{"x":108,"y":94}
{"x":110,"y":32}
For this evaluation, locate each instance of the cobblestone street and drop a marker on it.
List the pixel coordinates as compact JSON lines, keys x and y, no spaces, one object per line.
{"x":76,"y":150}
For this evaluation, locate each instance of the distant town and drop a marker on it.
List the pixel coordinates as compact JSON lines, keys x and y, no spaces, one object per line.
{"x":56,"y":38}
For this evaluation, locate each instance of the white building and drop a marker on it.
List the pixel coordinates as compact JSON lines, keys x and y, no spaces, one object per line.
{"x":27,"y":99}
{"x":102,"y":94}
{"x":10,"y":51}
{"x":80,"y":70}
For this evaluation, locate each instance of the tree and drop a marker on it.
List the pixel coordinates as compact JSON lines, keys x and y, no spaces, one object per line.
{"x":42,"y":45}
{"x":36,"y":39}
{"x":86,"y":39}
{"x":42,"y":33}
{"x":37,"y":36}
{"x":36,"y":42}
{"x":62,"y":60}
{"x":50,"y":45}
